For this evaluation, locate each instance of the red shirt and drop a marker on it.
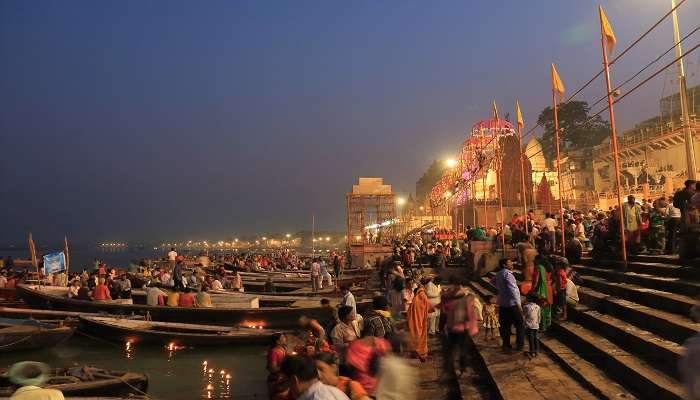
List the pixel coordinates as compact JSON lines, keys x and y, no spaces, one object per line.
{"x":101,"y":292}
{"x":186,"y":300}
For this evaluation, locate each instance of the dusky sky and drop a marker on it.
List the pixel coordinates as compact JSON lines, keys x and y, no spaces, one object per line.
{"x":154,"y":120}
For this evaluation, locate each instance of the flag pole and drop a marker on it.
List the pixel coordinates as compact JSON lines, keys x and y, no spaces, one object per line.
{"x":499,"y":184}
{"x":613,"y":145}
{"x":66,"y":250}
{"x":561,"y":199}
{"x":483,"y":181}
{"x":522,"y":170}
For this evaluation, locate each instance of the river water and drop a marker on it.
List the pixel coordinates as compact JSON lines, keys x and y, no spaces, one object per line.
{"x":175,"y":375}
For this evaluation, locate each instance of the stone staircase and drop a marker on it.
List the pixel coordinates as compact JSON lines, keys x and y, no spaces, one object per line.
{"x":627,"y":329}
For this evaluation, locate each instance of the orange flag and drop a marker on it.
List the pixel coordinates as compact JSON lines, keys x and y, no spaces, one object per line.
{"x":32,"y":251}
{"x":557,"y":85}
{"x":607,"y":31}
{"x":519,"y":115}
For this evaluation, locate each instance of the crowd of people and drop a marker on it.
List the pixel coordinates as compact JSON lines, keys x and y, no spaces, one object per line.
{"x":348,"y":355}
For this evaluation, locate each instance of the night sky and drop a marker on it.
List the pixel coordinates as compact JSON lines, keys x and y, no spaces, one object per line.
{"x":160,"y":120}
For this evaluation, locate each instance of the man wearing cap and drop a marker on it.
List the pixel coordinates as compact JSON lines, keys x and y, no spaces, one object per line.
{"x":30,"y":375}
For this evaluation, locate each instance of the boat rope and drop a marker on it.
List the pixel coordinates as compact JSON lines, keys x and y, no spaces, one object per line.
{"x":18,"y":341}
{"x":146,"y":395}
{"x":98,"y":339}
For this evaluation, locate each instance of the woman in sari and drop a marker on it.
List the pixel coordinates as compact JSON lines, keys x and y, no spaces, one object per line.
{"x":543,"y":287}
{"x":417,"y":323}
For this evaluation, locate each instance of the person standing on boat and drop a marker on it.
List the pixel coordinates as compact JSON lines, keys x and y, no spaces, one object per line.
{"x":177,"y":275}
{"x":236,"y":281}
{"x":315,"y":275}
{"x":337,"y":266}
{"x":172,"y":256}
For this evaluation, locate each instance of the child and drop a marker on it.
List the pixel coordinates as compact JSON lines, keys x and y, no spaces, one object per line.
{"x":490,"y":317}
{"x":531,"y":317}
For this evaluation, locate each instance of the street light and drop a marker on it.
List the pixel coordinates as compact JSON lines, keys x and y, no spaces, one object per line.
{"x":400,"y":201}
{"x":451,"y":163}
{"x":288,"y":235}
{"x":328,"y":238}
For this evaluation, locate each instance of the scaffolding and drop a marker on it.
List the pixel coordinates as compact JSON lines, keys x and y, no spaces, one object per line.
{"x":371,"y":219}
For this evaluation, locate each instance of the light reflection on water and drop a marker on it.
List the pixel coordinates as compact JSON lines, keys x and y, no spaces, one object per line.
{"x":172,"y":373}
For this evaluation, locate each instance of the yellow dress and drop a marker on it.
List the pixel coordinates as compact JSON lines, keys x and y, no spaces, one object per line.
{"x":491,"y":316}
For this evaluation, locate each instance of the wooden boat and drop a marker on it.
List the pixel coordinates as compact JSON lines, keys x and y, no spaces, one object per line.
{"x":72,"y":382}
{"x":24,"y":334}
{"x":167,"y":333}
{"x":47,"y":297}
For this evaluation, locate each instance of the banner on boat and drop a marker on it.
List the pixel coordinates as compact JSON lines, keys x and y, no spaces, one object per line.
{"x":54,"y":262}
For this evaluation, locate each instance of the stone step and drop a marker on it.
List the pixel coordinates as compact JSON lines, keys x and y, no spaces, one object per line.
{"x":666,"y":284}
{"x":670,"y":326}
{"x":659,"y":258}
{"x":662,"y":354}
{"x":654,"y":268}
{"x":573,"y":378}
{"x":626,"y":368}
{"x":657,"y":299}
{"x":663,"y":265}
{"x":583,"y":371}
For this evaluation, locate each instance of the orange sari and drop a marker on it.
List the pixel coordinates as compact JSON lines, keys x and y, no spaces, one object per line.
{"x":417,"y":322}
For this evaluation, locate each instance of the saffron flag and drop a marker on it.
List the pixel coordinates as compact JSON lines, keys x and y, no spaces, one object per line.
{"x":495,"y":111}
{"x":557,"y":85}
{"x":32,"y":251}
{"x":519,"y":115}
{"x":607,"y":31}
{"x":54,"y":262}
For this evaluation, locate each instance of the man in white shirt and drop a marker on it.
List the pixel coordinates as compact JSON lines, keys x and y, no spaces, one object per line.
{"x":172,"y":256}
{"x":433,"y":291}
{"x":551,"y":224}
{"x":215,"y":285}
{"x":348,"y":299}
{"x":302,"y":375}
{"x":673,"y":222}
{"x":315,"y":275}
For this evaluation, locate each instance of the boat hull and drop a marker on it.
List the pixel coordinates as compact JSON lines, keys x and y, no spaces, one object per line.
{"x":125,"y":384}
{"x":272,"y":317}
{"x":124,"y":333}
{"x":26,"y":334}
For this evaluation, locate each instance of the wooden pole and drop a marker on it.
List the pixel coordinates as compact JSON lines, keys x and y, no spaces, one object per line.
{"x":522,"y":178}
{"x":499,"y":187}
{"x":613,"y":144}
{"x":561,"y":198}
{"x":483,"y":181}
